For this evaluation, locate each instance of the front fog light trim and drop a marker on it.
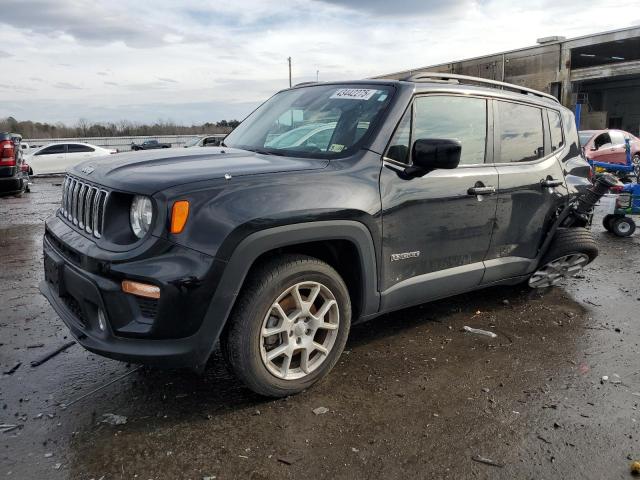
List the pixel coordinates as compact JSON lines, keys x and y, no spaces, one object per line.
{"x":102,"y":320}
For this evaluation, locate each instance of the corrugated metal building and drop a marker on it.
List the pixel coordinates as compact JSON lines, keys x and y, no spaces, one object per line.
{"x":600,"y":71}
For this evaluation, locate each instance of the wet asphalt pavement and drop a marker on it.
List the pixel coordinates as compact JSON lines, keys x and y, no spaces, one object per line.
{"x":413,"y":396}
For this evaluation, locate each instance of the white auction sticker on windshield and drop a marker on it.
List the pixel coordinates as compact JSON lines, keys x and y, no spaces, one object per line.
{"x":354,"y":93}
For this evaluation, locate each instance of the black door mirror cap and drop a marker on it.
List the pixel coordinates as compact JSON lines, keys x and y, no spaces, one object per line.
{"x":430,"y":154}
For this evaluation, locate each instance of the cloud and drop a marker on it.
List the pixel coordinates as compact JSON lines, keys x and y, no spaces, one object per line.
{"x":67,"y":86}
{"x":4,"y":54}
{"x":83,"y":20}
{"x":401,"y":7}
{"x":205,"y":61}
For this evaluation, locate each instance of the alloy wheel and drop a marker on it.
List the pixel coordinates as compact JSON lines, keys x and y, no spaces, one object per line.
{"x":299,"y":330}
{"x":553,"y":272}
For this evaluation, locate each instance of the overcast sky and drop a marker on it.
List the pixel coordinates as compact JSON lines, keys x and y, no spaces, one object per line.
{"x":190,"y":61}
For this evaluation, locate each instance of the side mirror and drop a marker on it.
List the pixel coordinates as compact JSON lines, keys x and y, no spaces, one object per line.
{"x":594,"y":148}
{"x":430,"y":154}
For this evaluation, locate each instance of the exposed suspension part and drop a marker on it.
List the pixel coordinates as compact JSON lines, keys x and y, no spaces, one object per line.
{"x":583,"y":204}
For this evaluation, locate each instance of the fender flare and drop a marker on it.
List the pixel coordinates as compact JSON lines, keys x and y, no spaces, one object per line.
{"x":258,"y":243}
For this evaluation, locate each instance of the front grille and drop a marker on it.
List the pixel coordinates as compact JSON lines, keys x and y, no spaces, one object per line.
{"x":83,"y":205}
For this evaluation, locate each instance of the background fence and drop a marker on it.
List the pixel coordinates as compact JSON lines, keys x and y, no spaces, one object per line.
{"x":121,"y":143}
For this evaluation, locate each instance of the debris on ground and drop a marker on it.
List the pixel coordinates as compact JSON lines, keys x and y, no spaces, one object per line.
{"x":288,"y":459}
{"x":479,"y":332}
{"x":110,"y":382}
{"x":635,"y":468}
{"x":604,"y":379}
{"x":35,"y":345}
{"x":13,"y":369}
{"x":113,"y":419}
{"x":320,"y":410}
{"x":486,"y":461}
{"x":540,"y":437}
{"x":7,"y":427}
{"x":50,"y":355}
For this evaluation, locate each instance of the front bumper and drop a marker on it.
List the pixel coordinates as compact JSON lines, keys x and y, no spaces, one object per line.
{"x":167,"y":334}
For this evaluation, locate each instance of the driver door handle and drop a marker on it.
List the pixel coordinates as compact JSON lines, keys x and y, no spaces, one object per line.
{"x":550,"y":182}
{"x":481,"y":190}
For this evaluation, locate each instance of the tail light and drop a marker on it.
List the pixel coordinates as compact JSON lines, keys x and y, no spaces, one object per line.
{"x":7,"y":154}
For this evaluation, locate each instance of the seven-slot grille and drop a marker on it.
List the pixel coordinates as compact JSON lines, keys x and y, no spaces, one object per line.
{"x":83,"y":205}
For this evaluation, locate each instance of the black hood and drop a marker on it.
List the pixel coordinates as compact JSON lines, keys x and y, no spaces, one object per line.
{"x":147,"y":172}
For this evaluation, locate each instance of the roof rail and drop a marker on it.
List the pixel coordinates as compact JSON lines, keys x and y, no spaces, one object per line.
{"x":430,"y":76}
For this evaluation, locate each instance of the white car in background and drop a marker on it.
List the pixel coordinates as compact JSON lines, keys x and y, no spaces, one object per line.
{"x":57,"y":157}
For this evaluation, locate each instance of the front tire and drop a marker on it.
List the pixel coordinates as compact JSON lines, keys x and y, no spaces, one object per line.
{"x":289,"y":326}
{"x":623,"y":226}
{"x":571,"y":250}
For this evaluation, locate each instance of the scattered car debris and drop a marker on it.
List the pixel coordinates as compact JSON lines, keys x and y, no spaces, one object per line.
{"x":540,"y":437}
{"x":48,"y":455}
{"x":486,"y":461}
{"x":35,"y":345}
{"x":478,"y":331}
{"x":288,"y":459}
{"x":52,"y":354}
{"x":604,"y":379}
{"x":113,"y":419}
{"x":6,"y":427}
{"x":320,"y":410}
{"x":13,"y":369}
{"x":81,"y":397}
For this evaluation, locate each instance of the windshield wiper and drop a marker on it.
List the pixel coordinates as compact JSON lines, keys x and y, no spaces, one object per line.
{"x":262,"y":151}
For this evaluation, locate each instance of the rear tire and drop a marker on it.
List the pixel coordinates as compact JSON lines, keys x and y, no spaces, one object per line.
{"x":623,"y":226}
{"x":306,"y":304}
{"x":570,"y":250}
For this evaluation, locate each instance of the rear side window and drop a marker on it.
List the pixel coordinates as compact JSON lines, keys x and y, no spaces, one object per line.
{"x":454,"y":118}
{"x":555,"y":127}
{"x":521,"y":137}
{"x":74,"y":148}
{"x":53,"y":149}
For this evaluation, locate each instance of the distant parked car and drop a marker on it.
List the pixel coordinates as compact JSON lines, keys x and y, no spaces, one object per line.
{"x":57,"y":157}
{"x":204,"y":141}
{"x":149,"y":145}
{"x":14,"y":173}
{"x":608,"y":146}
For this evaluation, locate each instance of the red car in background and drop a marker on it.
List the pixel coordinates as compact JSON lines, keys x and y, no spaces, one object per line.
{"x":608,"y":146}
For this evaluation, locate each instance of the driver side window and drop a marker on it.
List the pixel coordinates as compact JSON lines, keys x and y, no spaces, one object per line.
{"x":443,"y":117}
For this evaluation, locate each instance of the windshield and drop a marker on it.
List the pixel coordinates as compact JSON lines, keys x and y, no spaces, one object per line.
{"x":320,"y":121}
{"x":584,"y":137}
{"x":192,"y":142}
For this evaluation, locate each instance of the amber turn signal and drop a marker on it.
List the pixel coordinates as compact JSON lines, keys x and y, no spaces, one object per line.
{"x":140,"y":289}
{"x":179,"y":215}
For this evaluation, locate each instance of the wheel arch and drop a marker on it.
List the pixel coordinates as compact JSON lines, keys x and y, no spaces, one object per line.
{"x":333,"y":241}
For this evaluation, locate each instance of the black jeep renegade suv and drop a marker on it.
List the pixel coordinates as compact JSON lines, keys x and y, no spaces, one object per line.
{"x":329,"y":205}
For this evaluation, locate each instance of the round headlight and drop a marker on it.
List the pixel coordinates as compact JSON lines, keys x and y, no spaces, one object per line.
{"x":141,"y":215}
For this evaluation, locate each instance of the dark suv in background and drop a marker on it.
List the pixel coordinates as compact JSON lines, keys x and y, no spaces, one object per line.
{"x":415,"y":190}
{"x":14,"y":173}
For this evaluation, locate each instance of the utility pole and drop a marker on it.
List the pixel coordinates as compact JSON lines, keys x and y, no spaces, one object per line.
{"x":317,"y":75}
{"x":289,"y":60}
